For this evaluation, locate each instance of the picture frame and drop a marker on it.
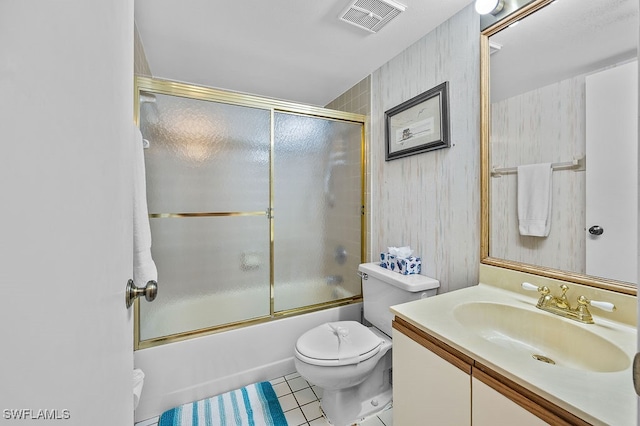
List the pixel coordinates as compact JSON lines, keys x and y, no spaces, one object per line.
{"x":418,"y":125}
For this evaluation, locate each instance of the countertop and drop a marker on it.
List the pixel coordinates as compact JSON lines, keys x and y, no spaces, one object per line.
{"x":597,"y":397}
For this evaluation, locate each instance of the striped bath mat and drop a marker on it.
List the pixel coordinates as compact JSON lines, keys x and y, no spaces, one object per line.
{"x":256,"y":404}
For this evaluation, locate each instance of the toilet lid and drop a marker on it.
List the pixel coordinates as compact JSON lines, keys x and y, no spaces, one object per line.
{"x":338,"y":343}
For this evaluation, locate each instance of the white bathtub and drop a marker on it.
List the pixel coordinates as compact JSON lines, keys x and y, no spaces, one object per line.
{"x":193,"y":369}
{"x":202,"y":311}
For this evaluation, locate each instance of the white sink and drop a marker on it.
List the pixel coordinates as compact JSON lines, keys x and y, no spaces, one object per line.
{"x":542,"y":336}
{"x":502,"y":330}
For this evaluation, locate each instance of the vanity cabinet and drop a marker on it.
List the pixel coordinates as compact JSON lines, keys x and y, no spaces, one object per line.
{"x":427,"y":389}
{"x":434,"y":383}
{"x":491,"y":408}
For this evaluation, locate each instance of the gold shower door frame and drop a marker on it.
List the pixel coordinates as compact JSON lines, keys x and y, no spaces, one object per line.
{"x":172,"y":88}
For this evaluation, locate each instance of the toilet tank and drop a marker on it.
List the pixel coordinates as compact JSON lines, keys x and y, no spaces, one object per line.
{"x":382,"y":288}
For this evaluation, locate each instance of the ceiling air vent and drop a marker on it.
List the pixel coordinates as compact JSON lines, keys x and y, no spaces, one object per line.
{"x":371,"y":15}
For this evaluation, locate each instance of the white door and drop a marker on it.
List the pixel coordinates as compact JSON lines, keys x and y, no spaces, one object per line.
{"x":612,"y":173}
{"x":638,"y":258}
{"x":66,"y":110}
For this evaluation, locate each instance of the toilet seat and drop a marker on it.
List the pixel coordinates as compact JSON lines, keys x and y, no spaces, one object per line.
{"x":337,"y":344}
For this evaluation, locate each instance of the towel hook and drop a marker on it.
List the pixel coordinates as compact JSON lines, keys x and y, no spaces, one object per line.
{"x":132,"y":292}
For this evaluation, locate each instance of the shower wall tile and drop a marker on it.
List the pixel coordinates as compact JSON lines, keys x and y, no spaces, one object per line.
{"x":356,"y":100}
{"x":558,"y":134}
{"x":431,"y":201}
{"x":347,"y":230}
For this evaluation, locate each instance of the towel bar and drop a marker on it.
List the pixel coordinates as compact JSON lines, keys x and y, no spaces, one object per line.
{"x":576,"y":165}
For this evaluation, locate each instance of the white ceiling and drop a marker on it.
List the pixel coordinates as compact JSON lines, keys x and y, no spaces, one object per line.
{"x":296,"y":50}
{"x":564,"y":39}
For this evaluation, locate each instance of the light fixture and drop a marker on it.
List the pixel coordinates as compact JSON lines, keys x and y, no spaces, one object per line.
{"x":485,"y":7}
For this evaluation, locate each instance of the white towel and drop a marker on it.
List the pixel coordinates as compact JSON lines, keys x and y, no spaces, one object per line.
{"x":534,"y":199}
{"x":138,"y":383}
{"x":144,"y":269}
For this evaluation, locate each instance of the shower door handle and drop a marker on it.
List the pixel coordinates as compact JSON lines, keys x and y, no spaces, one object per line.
{"x":132,"y":292}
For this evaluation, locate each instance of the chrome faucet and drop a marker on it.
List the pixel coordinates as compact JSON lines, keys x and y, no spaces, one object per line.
{"x":561,"y":306}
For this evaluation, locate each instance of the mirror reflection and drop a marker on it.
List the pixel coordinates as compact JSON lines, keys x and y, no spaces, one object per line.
{"x":562,"y":154}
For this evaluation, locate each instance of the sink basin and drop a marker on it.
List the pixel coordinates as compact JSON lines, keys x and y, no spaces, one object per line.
{"x":542,"y":336}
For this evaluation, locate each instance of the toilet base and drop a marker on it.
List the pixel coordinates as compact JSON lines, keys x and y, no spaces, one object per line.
{"x":338,"y":417}
{"x":347,"y":406}
{"x":353,"y":391}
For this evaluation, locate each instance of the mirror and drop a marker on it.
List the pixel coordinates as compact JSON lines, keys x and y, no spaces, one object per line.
{"x":553,"y":90}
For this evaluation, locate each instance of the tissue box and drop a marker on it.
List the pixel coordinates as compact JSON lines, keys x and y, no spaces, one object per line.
{"x":404,"y":266}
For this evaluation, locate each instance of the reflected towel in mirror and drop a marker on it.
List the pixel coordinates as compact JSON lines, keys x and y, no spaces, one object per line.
{"x":534,"y":199}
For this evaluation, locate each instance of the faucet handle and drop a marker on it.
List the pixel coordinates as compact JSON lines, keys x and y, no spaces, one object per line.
{"x":533,"y":287}
{"x":605,"y":306}
{"x":544,"y":291}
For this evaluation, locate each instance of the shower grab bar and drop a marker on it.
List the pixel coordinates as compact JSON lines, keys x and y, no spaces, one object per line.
{"x":577,"y":165}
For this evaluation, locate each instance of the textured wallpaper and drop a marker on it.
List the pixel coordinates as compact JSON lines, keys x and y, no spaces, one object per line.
{"x":431,"y":201}
{"x":140,"y":64}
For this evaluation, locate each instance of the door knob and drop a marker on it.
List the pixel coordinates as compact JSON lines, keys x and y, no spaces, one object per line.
{"x":596,"y":230}
{"x":132,"y":292}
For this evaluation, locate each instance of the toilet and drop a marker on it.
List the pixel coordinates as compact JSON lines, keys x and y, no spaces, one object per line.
{"x":352,"y":362}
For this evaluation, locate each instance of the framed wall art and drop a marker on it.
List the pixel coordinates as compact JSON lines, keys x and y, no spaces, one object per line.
{"x":418,"y":125}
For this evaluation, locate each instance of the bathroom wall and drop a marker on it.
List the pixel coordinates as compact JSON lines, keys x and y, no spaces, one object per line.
{"x":431,"y":201}
{"x":140,"y":64}
{"x":556,"y":135}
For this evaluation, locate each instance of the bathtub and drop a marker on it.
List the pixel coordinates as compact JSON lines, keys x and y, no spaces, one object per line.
{"x":200,"y":311}
{"x":190,"y":370}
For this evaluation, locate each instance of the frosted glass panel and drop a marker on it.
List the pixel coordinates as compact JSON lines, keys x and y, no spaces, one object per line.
{"x":209,"y":159}
{"x":205,"y":156}
{"x":317,"y":210}
{"x":212,"y":271}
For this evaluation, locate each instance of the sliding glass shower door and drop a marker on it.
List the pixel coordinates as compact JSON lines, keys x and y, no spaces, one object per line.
{"x":255,"y":212}
{"x":207,"y":167}
{"x":317,"y":199}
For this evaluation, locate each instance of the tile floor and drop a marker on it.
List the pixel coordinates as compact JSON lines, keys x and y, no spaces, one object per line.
{"x":301,"y":404}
